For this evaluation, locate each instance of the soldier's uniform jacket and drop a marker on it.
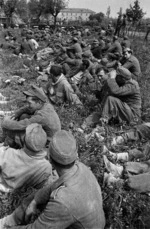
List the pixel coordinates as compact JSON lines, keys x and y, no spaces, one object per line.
{"x":46,"y":116}
{"x":74,"y":202}
{"x":61,"y":92}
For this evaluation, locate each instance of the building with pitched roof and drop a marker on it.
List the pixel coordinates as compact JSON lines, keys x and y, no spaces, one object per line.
{"x":75,"y":14}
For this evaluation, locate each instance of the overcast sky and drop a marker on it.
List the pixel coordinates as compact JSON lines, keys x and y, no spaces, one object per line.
{"x":102,"y":5}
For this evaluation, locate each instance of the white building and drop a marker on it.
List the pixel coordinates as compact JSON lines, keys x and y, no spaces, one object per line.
{"x":75,"y":14}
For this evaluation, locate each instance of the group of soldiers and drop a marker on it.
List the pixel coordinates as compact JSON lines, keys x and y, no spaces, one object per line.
{"x":72,"y":69}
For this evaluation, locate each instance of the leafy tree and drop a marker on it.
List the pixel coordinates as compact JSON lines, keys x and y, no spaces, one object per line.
{"x":99,"y":17}
{"x":135,"y":13}
{"x":9,"y":9}
{"x":36,"y":8}
{"x":1,"y":3}
{"x":22,"y":10}
{"x":54,"y":7}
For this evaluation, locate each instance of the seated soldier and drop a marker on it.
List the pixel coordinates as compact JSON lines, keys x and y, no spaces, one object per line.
{"x":120,"y":100}
{"x":86,"y":79}
{"x":34,"y":44}
{"x":26,"y":166}
{"x":96,"y":49}
{"x":7,"y":45}
{"x":93,"y":64}
{"x":107,"y":46}
{"x":115,"y":48}
{"x":130,"y":62}
{"x":38,"y":111}
{"x":126,"y":43}
{"x":60,"y":90}
{"x":73,"y":201}
{"x":72,"y":66}
{"x":25,"y":47}
{"x":100,"y":79}
{"x":75,"y":48}
{"x":124,"y":99}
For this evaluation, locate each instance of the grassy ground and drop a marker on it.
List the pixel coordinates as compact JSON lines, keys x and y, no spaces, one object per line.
{"x":123,"y":208}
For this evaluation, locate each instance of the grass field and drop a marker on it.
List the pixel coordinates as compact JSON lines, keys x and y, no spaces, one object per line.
{"x":123,"y":208}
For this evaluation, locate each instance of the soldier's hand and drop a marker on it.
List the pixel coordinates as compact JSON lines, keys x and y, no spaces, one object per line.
{"x":30,"y":211}
{"x":113,"y":74}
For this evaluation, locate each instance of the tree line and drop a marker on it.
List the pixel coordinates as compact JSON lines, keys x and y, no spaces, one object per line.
{"x":32,"y":8}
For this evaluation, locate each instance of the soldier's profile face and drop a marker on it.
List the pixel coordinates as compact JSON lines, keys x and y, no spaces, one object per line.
{"x":127,"y":54}
{"x":32,"y":104}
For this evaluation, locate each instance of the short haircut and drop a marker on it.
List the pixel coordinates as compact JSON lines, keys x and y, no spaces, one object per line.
{"x":102,"y":69}
{"x":56,"y":70}
{"x":60,"y":165}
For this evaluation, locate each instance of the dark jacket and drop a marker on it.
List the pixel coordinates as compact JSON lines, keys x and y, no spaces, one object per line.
{"x":115,"y":48}
{"x":128,"y":93}
{"x":133,"y":65}
{"x":126,"y":44}
{"x":97,"y":52}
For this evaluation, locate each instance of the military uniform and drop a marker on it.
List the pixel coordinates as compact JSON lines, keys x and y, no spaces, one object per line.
{"x":75,"y":202}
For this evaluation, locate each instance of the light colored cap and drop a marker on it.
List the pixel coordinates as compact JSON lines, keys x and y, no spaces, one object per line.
{"x":63,"y":148}
{"x":124,"y":72}
{"x":35,"y":91}
{"x":35,"y":137}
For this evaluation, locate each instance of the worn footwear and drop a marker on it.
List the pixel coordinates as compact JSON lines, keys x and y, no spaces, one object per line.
{"x":124,"y":157}
{"x":116,"y":170}
{"x":7,"y":222}
{"x":117,"y":140}
{"x":110,"y":180}
{"x":4,"y":189}
{"x":99,"y":137}
{"x":113,"y":155}
{"x":103,"y":121}
{"x":80,"y":130}
{"x":104,"y":149}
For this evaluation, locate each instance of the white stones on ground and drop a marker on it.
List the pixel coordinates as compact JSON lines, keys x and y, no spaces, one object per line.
{"x":16,"y":79}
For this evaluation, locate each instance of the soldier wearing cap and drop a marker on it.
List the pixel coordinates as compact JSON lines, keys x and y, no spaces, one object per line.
{"x":60,"y":91}
{"x":126,"y":43}
{"x":71,"y":66}
{"x":25,"y":46}
{"x":124,"y":99}
{"x":107,"y":45}
{"x":73,"y":201}
{"x":38,"y":111}
{"x":130,"y":62}
{"x":75,"y":48}
{"x":115,"y":48}
{"x":120,"y":100}
{"x":26,"y":166}
{"x":96,"y":49}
